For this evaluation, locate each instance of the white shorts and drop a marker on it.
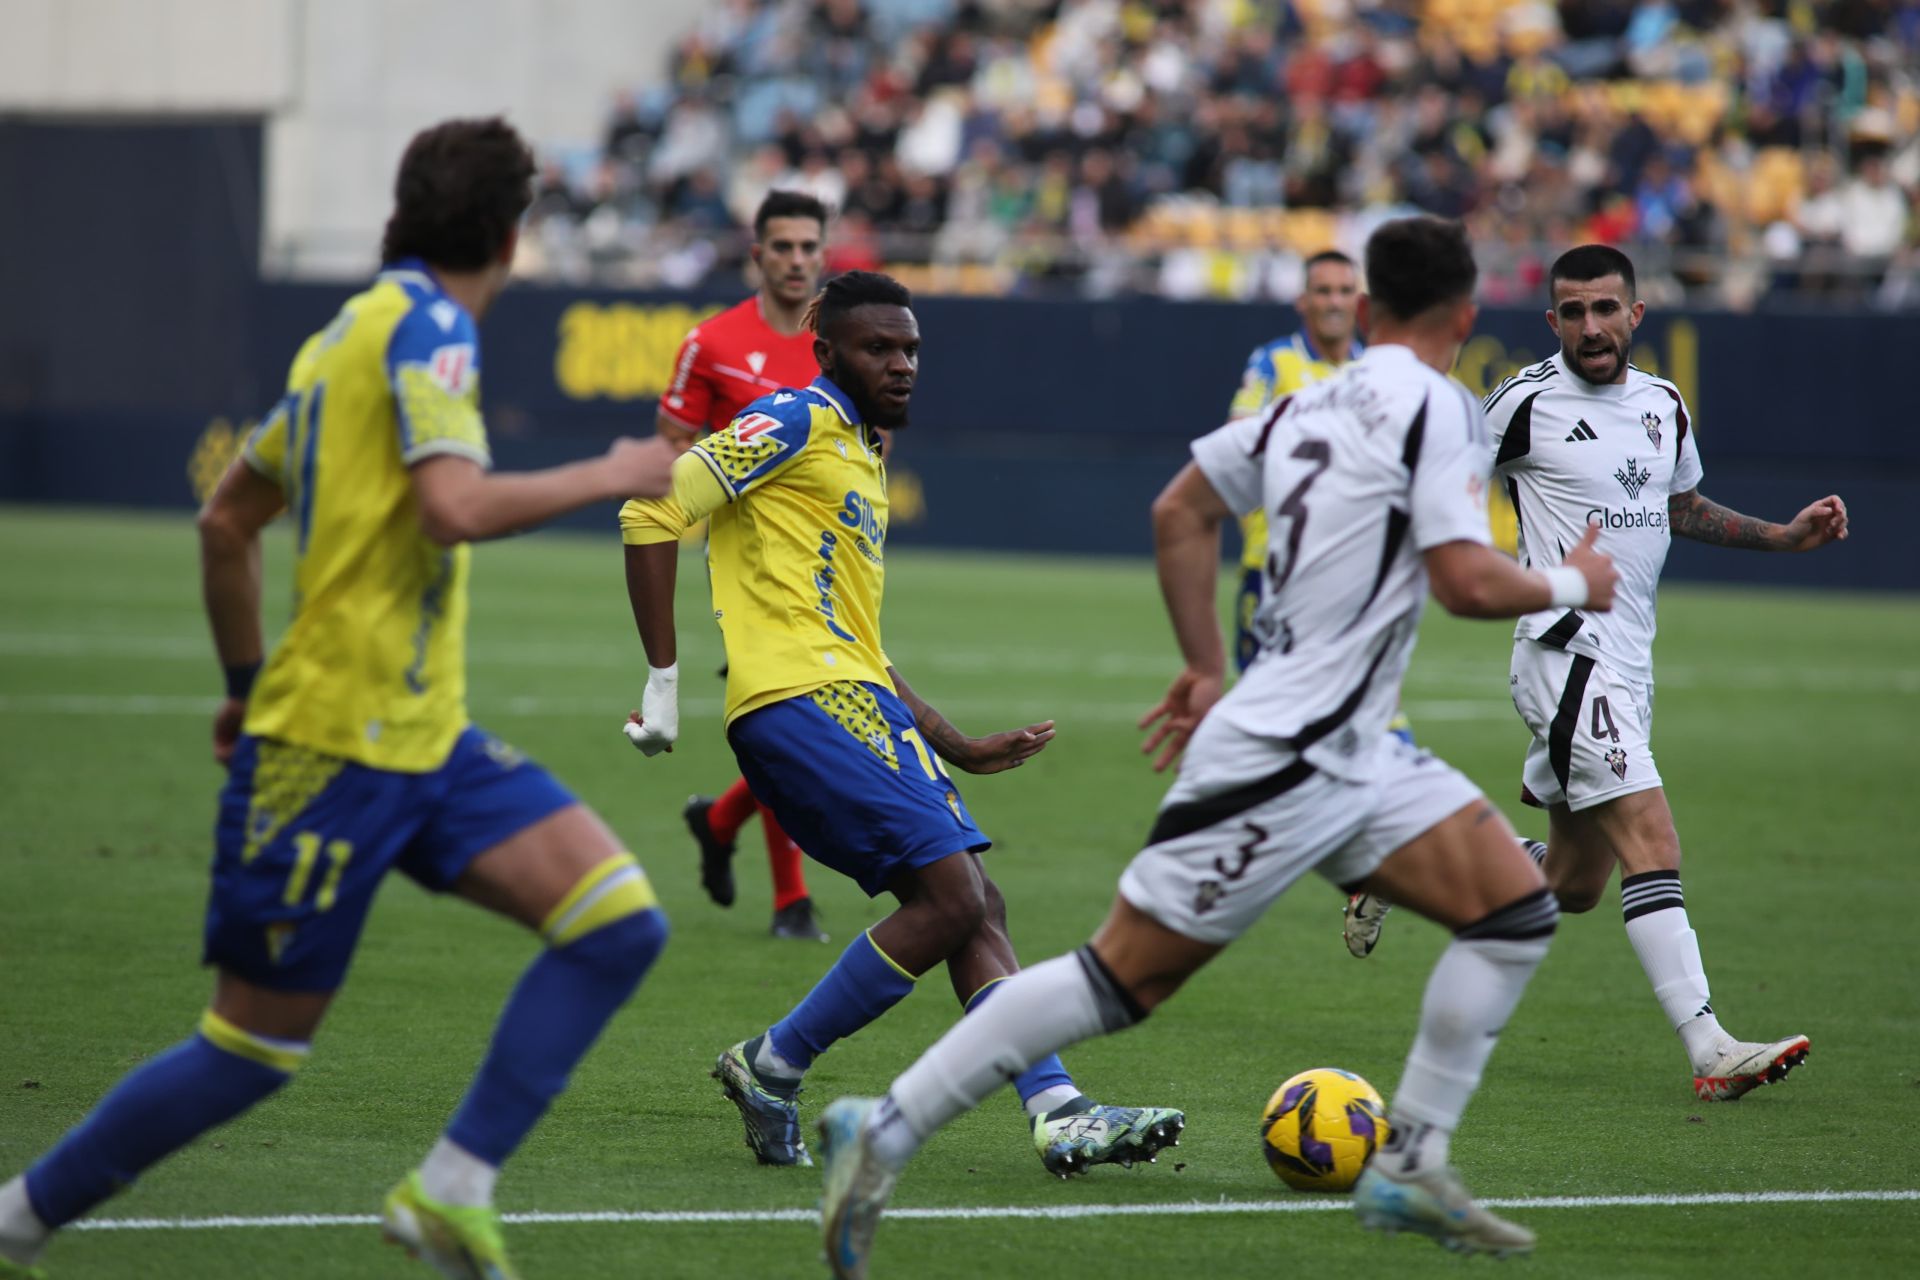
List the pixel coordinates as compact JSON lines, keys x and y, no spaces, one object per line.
{"x":1590,"y":726}
{"x":1226,"y":847}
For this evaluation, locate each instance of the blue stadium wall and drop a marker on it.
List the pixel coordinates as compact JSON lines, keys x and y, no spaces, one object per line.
{"x":136,"y":346}
{"x":1038,"y":426}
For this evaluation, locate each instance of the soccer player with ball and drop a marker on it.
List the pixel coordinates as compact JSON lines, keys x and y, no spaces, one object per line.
{"x":1375,"y":483}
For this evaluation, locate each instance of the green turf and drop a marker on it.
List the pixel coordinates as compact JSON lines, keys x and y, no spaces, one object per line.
{"x":1786,"y":735}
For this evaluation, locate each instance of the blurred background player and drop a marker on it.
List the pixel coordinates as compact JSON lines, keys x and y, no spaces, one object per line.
{"x":747,"y":351}
{"x":829,"y":733}
{"x":1328,"y":308}
{"x":1584,"y":435}
{"x":352,"y":754}
{"x":1294,"y":770}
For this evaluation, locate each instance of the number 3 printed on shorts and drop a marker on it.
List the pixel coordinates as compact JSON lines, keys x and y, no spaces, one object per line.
{"x":1603,"y":727}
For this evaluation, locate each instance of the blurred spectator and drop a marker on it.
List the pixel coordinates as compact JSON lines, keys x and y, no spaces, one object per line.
{"x":1199,"y":147}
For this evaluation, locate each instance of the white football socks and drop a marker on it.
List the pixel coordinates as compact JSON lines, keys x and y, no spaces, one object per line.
{"x":453,"y":1175}
{"x":1475,"y":988}
{"x":22,"y":1234}
{"x":1656,"y":915}
{"x":1038,"y":1011}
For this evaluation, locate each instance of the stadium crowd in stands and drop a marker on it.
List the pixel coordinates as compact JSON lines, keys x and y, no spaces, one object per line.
{"x":1744,"y":150}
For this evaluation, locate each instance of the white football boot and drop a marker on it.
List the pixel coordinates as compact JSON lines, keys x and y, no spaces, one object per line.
{"x":1743,"y":1066}
{"x":1435,"y":1204}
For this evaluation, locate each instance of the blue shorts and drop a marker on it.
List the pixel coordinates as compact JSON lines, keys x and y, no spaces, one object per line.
{"x":304,"y":840}
{"x":847,"y":775}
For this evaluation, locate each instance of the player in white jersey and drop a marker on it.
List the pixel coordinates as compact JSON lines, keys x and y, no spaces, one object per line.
{"x":1374,"y":483}
{"x":1585,"y":437}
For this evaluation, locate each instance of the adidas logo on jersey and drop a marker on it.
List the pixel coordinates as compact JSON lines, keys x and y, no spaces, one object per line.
{"x":1581,"y":431}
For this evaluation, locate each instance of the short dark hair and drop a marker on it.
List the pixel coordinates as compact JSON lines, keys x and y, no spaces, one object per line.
{"x":1591,"y":262}
{"x":1327,"y":255}
{"x":1415,"y":264}
{"x":462,"y":187}
{"x":787,"y":204}
{"x":853,"y":289}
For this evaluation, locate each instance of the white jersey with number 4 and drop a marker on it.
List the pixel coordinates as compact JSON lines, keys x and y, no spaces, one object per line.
{"x":1358,"y":475}
{"x":1570,"y":453}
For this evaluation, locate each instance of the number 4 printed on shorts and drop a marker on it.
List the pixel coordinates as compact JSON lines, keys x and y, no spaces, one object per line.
{"x":1603,"y":726}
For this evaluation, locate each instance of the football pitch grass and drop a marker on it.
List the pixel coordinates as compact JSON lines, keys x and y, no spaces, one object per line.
{"x":1785,"y":731}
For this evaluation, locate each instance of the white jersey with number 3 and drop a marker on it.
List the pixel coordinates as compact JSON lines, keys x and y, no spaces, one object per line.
{"x":1358,"y":475}
{"x":1571,"y":452}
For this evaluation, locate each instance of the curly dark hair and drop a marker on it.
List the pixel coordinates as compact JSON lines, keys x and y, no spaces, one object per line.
{"x":462,"y":187}
{"x":1415,"y":264}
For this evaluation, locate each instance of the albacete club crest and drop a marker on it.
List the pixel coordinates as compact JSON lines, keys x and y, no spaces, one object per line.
{"x":1631,"y":477}
{"x":1651,"y":421}
{"x":1617,"y":761}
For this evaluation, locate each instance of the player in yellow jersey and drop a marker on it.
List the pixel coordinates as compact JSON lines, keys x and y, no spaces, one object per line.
{"x":1275,"y":371}
{"x":828,"y":733}
{"x":352,"y":755}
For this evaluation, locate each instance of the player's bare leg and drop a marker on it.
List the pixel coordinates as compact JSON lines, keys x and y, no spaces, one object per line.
{"x":1470,"y":875}
{"x":942,"y":905}
{"x":1636,"y":832}
{"x":568,"y":878}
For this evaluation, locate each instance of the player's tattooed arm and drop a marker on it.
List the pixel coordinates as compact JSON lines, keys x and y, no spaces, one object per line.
{"x":1695,"y":516}
{"x":992,"y":754}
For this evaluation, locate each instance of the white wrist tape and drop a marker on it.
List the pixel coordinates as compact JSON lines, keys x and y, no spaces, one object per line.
{"x":1568,"y":587}
{"x":659,"y":712}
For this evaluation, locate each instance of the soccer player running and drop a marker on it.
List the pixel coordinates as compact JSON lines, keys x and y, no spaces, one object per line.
{"x":748,"y":351}
{"x":1375,"y":481}
{"x":1584,"y":436}
{"x":351,"y":754}
{"x":829,"y":733}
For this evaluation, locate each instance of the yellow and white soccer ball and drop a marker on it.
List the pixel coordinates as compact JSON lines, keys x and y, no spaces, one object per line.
{"x":1321,"y":1127}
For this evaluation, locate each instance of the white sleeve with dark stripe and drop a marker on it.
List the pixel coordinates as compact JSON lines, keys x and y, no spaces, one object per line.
{"x":1233,"y":459}
{"x":1687,"y":471}
{"x":1449,"y":480}
{"x":1509,"y":414}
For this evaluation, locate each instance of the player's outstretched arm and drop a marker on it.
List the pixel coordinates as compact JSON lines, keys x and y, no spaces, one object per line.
{"x":1472,"y":580}
{"x":994,"y":753}
{"x":460,"y":501}
{"x":230,"y":524}
{"x":1692,"y":515}
{"x":1186,"y":540}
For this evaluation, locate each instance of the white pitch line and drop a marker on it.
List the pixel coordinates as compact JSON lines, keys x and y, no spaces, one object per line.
{"x":1195,"y":1208}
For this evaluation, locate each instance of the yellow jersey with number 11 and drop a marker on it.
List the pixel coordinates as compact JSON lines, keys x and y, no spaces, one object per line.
{"x":372,"y":667}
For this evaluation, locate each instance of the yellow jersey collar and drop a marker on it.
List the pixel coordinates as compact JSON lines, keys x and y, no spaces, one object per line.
{"x":842,"y":403}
